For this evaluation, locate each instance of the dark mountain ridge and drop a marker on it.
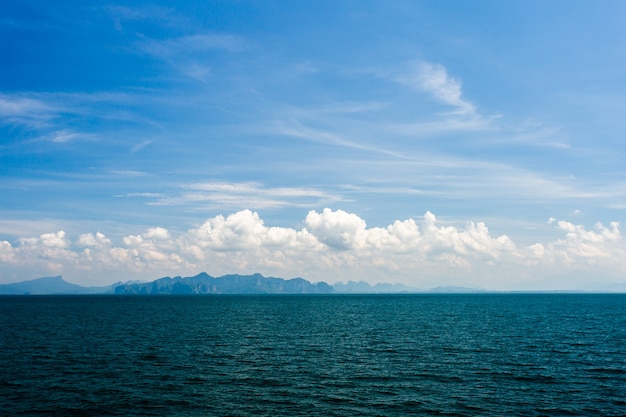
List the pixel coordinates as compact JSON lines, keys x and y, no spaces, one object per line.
{"x":204,"y":283}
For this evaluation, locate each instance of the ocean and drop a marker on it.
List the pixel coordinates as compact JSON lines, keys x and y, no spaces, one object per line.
{"x":314,"y":355}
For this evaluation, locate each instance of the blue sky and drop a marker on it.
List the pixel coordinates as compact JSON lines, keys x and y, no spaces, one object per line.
{"x":422,"y":142}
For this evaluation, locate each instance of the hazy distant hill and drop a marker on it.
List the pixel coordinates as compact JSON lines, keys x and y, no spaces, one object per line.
{"x":50,"y":286}
{"x":204,"y":283}
{"x":227,"y":284}
{"x":362,"y":287}
{"x":455,"y":290}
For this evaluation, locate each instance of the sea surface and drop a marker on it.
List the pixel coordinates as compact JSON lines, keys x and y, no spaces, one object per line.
{"x":324,"y":355}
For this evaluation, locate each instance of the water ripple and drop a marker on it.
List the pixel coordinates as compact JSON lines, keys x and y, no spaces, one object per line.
{"x":465,"y":355}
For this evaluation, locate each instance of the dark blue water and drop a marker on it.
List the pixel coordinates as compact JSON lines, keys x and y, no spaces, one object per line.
{"x":455,"y":355}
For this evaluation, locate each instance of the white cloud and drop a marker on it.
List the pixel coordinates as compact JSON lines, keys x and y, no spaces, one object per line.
{"x":581,"y":246}
{"x":337,"y":229}
{"x":63,"y":136}
{"x":442,"y":126}
{"x":93,"y":240}
{"x":136,"y":148}
{"x":331,"y":246}
{"x":186,"y":53}
{"x":49,"y":251}
{"x":296,"y":129}
{"x":181,"y":46}
{"x":245,"y":230}
{"x":435,"y":80}
{"x":52,"y":240}
{"x":234,"y":195}
{"x":157,"y":233}
{"x":25,"y":111}
{"x":19,"y":106}
{"x":475,"y":239}
{"x":7,"y":253}
{"x":129,"y":174}
{"x":60,"y":118}
{"x":165,"y":16}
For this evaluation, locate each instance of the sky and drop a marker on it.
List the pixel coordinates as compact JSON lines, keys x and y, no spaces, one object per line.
{"x":427,"y":143}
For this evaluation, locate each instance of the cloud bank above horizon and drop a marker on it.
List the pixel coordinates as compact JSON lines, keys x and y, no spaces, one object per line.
{"x":331,"y":246}
{"x":149,"y":138}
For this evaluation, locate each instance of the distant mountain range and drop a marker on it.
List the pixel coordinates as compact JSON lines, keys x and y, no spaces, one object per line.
{"x":362,"y":287}
{"x":52,"y":286}
{"x":204,"y":283}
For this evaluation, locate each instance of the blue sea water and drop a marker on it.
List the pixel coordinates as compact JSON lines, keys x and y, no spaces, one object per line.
{"x":335,"y":355}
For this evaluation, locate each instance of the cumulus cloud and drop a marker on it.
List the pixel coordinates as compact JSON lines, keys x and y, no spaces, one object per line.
{"x":7,"y":255}
{"x":337,"y":229}
{"x":331,"y":245}
{"x":50,"y":251}
{"x":93,"y":240}
{"x":588,"y":246}
{"x":245,"y":230}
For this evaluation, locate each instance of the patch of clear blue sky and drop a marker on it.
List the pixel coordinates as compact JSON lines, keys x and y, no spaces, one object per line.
{"x":116,"y":112}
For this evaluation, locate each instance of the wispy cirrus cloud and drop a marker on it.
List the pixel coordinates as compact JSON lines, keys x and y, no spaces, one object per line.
{"x":437,"y":127}
{"x":189,"y":54}
{"x":65,"y":136}
{"x":24,"y":110}
{"x":38,"y":110}
{"x":295,"y":128}
{"x":136,"y":148}
{"x":191,"y":44}
{"x":129,"y":173}
{"x":534,"y":134}
{"x":62,"y":117}
{"x":435,"y":80}
{"x":234,"y":195}
{"x":38,"y":113}
{"x":163,"y":15}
